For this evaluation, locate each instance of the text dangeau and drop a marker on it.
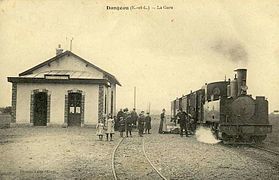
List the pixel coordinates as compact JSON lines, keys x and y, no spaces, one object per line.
{"x":140,"y":7}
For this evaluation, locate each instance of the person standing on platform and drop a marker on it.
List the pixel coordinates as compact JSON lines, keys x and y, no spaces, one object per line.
{"x":134,"y":117}
{"x":182,"y":119}
{"x":141,"y":123}
{"x":121,"y":128}
{"x":147,"y":123}
{"x":119,"y":114}
{"x":128,"y":125}
{"x":163,"y":122}
{"x":110,"y":127}
{"x":100,"y":130}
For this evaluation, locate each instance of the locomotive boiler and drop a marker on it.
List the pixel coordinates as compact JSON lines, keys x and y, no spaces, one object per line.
{"x":225,"y":107}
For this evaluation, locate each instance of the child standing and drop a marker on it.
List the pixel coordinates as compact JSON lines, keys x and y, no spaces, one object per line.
{"x":100,"y":130}
{"x":110,"y":127}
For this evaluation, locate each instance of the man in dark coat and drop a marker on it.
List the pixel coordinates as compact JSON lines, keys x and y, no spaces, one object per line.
{"x":134,"y":117}
{"x":182,"y":120}
{"x":119,"y":114}
{"x":141,"y":123}
{"x":162,"y":116}
{"x":147,"y":123}
{"x":121,"y":127}
{"x":128,"y":125}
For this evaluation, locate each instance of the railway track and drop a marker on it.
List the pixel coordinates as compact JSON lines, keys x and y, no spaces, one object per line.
{"x":264,"y":149}
{"x":144,"y":162}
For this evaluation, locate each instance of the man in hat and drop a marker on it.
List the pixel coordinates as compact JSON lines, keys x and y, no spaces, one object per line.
{"x":163,"y":119}
{"x":192,"y":124}
{"x":182,"y":120}
{"x":121,"y":127}
{"x":147,"y":123}
{"x":128,"y":125}
{"x":118,"y":116}
{"x":125,"y":113}
{"x":134,"y":117}
{"x":141,"y":123}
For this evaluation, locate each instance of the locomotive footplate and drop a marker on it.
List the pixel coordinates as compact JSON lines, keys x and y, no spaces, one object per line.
{"x":243,"y":129}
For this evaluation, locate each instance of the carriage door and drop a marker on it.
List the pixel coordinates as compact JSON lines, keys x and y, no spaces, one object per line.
{"x":40,"y":109}
{"x":74,"y":116}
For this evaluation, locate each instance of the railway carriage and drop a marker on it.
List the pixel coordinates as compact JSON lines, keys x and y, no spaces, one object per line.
{"x":231,"y":113}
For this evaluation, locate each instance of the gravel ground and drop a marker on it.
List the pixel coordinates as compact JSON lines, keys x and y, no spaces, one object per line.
{"x":54,"y":153}
{"x":272,"y":140}
{"x":75,"y":153}
{"x":130,"y":162}
{"x":186,"y":158}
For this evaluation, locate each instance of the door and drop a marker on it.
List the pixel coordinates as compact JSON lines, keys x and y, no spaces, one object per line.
{"x":40,"y":109}
{"x":74,"y":111}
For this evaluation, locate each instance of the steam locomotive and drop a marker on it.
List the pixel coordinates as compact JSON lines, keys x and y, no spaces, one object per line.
{"x":225,"y":107}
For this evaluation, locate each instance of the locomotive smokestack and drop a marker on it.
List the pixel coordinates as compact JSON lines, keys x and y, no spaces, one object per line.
{"x":241,"y":81}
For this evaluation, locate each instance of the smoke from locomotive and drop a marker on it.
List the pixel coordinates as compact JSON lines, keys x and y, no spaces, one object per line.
{"x":228,"y":110}
{"x":205,"y":135}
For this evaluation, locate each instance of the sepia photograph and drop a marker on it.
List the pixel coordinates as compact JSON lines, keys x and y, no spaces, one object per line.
{"x":146,"y":89}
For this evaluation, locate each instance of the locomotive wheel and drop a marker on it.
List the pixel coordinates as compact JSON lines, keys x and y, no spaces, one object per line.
{"x":259,"y":139}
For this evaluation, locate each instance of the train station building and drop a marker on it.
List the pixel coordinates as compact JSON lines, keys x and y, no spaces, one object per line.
{"x":65,"y":90}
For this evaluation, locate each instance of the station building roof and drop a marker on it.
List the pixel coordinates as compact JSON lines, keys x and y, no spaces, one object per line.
{"x":65,"y":76}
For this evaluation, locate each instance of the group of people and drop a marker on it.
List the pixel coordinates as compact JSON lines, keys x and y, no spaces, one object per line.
{"x":125,"y":121}
{"x":185,"y":121}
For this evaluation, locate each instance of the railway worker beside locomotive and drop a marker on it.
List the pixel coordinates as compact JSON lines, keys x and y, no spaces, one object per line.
{"x":192,"y":124}
{"x":141,"y":120}
{"x":182,"y":118}
{"x":147,"y":123}
{"x":134,"y":117}
{"x":163,"y":125}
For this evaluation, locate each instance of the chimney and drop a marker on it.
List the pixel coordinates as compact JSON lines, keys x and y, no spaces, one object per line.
{"x":59,"y":50}
{"x":241,"y":81}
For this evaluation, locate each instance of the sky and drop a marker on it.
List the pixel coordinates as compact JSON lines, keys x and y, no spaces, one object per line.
{"x":164,"y":53}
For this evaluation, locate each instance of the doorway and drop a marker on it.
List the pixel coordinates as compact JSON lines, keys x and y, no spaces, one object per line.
{"x":74,"y":109}
{"x":40,"y":109}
